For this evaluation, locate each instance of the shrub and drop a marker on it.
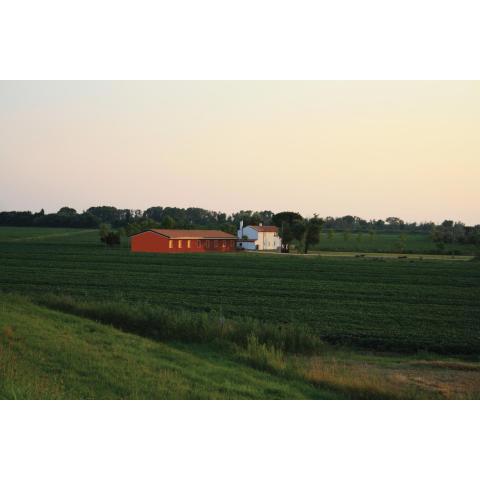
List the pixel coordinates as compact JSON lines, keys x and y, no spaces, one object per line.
{"x":263,"y":356}
{"x":8,"y":333}
{"x":159,"y":323}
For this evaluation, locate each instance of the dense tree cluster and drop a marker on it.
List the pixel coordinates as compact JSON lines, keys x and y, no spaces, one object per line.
{"x":65,"y":217}
{"x":454,"y":232}
{"x":390,"y":224}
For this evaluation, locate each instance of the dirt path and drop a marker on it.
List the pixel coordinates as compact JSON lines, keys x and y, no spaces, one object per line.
{"x":401,"y":256}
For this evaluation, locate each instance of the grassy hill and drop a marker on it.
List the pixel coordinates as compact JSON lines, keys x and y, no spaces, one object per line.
{"x":49,"y":354}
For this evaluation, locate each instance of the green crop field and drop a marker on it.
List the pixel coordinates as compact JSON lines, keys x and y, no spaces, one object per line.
{"x":394,"y":305}
{"x":387,"y":243}
{"x":38,"y":235}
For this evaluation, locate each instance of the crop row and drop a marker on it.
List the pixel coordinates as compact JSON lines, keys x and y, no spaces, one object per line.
{"x":392,"y":305}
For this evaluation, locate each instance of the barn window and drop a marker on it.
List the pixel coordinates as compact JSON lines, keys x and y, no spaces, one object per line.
{"x":170,"y":244}
{"x":199,"y":243}
{"x":188,"y":243}
{"x":224,"y":243}
{"x":215,"y":243}
{"x":207,"y":243}
{"x":179,"y":244}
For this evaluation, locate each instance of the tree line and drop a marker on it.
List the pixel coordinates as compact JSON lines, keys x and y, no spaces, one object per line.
{"x":293,"y":227}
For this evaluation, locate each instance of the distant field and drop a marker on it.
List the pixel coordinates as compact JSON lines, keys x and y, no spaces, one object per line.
{"x":386,"y":242}
{"x":39,"y":235}
{"x":383,"y":304}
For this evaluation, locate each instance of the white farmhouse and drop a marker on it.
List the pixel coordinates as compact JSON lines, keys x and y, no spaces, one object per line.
{"x":258,"y":237}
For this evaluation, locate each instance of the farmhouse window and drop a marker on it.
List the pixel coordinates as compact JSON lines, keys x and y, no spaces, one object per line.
{"x":179,"y":244}
{"x":170,"y":244}
{"x":188,"y":243}
{"x":199,"y":243}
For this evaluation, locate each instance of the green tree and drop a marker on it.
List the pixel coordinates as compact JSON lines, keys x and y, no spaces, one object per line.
{"x":67,"y":211}
{"x":313,"y":227}
{"x":167,"y":222}
{"x":103,"y":230}
{"x":401,"y":243}
{"x":286,"y":236}
{"x":109,"y":237}
{"x":290,"y":226}
{"x":140,"y":225}
{"x":112,"y":239}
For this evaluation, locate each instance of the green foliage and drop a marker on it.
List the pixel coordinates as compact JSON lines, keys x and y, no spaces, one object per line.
{"x":159,"y":323}
{"x":109,"y":237}
{"x":67,"y":211}
{"x":140,"y":225}
{"x":401,"y":244}
{"x":263,"y":356}
{"x":103,"y":230}
{"x":167,"y":222}
{"x":291,"y":227}
{"x":312,"y":232}
{"x":286,"y":218}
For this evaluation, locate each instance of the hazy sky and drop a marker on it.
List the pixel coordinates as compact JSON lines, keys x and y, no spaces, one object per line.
{"x":372,"y":149}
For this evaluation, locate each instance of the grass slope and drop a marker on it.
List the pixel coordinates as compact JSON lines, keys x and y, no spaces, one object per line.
{"x":48,"y":354}
{"x":390,"y":304}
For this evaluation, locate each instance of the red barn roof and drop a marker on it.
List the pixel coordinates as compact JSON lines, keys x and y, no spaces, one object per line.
{"x":192,"y":234}
{"x":262,"y":228}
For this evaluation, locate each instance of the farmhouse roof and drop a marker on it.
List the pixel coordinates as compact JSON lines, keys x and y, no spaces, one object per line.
{"x":269,"y":228}
{"x":192,"y":234}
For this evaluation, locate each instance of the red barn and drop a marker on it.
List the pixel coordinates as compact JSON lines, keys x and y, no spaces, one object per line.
{"x":164,"y":240}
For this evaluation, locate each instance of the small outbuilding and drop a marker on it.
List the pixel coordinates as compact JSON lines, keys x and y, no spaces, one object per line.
{"x":165,"y":240}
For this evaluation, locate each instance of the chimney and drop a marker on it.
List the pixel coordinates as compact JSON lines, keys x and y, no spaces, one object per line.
{"x":241,"y":229}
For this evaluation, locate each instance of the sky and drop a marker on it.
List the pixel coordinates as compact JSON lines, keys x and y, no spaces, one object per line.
{"x":375,"y":149}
